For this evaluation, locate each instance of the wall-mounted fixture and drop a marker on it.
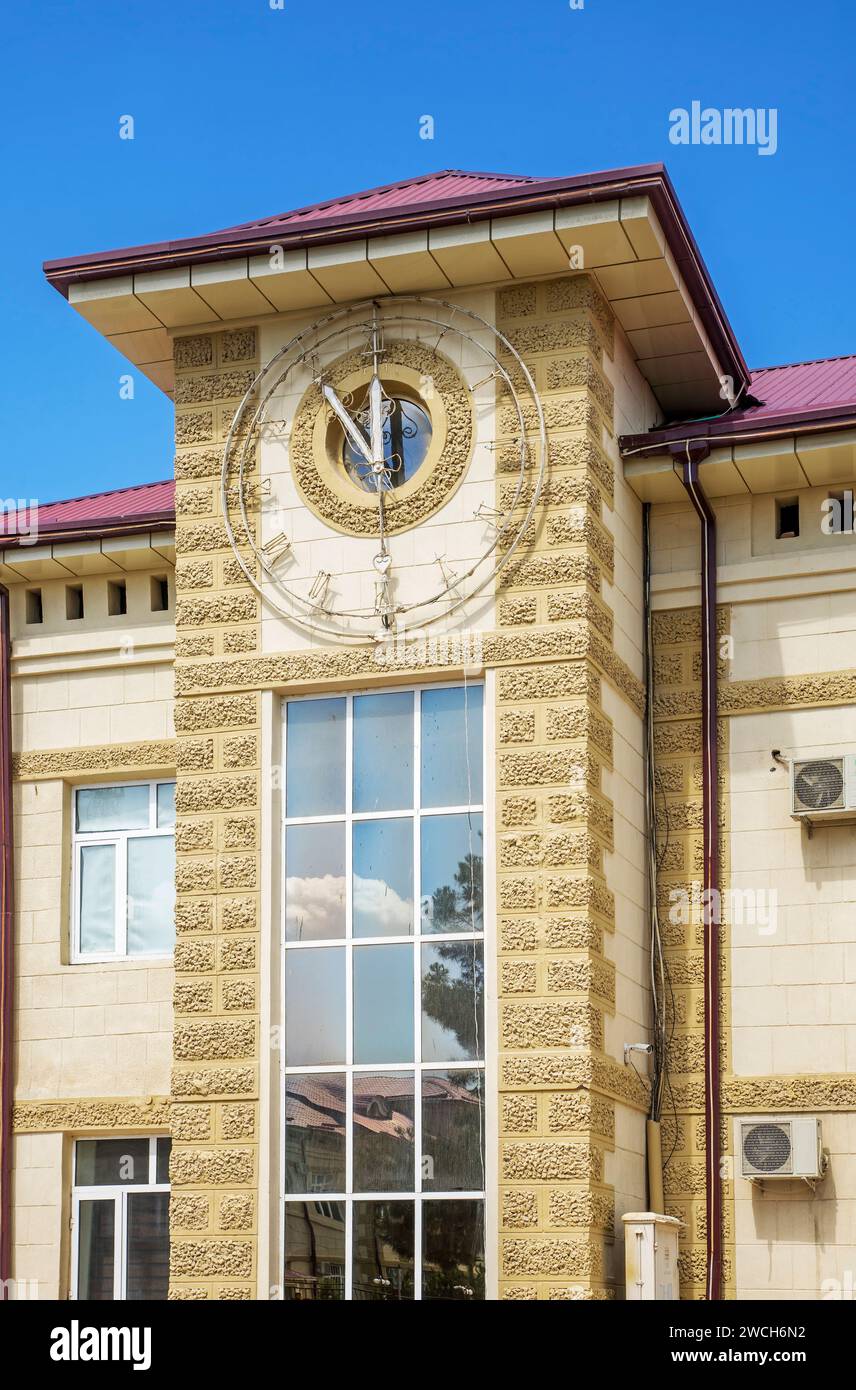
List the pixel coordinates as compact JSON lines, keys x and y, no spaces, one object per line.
{"x":780,"y":1146}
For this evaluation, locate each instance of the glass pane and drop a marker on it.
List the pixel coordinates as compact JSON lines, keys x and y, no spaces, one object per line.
{"x":453,"y":1250}
{"x":147,"y":1272}
{"x":383,"y":1251}
{"x":314,"y":1251}
{"x":315,"y":1006}
{"x":452,"y":746}
{"x":315,"y":757}
{"x":163,"y":1152}
{"x":452,"y":868}
{"x":97,"y":898}
{"x":383,"y":1004}
{"x":383,"y":752}
{"x":315,"y":1133}
{"x":111,"y":1162}
{"x":383,"y":878}
{"x":166,"y":804}
{"x":384,"y":1113}
{"x":151,"y":895}
{"x":113,"y":808}
{"x":452,"y":1001}
{"x":453,"y":1131}
{"x":95,"y":1250}
{"x":315,"y":882}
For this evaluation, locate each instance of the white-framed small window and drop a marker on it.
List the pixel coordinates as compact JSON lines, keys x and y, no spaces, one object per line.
{"x":123,"y":870}
{"x":120,"y":1219}
{"x":385,"y":1056}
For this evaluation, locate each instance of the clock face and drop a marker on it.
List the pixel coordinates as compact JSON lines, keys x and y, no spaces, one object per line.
{"x":379,"y":414}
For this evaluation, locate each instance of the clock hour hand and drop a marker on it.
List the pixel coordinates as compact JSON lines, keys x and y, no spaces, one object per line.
{"x":354,"y":434}
{"x":376,"y":410}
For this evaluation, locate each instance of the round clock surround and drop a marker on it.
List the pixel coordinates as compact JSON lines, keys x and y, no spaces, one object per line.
{"x":404,"y":350}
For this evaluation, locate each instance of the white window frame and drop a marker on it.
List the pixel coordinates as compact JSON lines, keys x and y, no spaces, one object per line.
{"x":118,"y":1193}
{"x":118,"y":838}
{"x":486,"y":1064}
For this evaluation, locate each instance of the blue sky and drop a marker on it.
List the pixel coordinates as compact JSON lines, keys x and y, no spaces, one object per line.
{"x":242,"y":110}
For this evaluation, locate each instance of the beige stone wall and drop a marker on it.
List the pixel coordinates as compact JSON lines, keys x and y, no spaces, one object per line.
{"x":787,"y":683}
{"x":91,"y":700}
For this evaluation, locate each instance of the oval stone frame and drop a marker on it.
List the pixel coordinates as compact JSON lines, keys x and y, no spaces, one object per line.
{"x":420,"y":373}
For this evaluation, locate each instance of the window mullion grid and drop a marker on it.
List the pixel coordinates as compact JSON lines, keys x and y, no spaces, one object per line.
{"x":120,"y":1274}
{"x":349,"y":997}
{"x":417,"y":994}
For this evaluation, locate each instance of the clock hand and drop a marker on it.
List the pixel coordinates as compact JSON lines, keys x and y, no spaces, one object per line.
{"x":375,"y":404}
{"x":354,"y":434}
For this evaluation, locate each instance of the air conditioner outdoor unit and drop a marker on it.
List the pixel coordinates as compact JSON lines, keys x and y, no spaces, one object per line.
{"x":824,"y":788}
{"x":775,"y":1146}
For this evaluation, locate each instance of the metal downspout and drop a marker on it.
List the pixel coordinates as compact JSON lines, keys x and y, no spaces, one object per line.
{"x":6,"y":947}
{"x":710,"y":807}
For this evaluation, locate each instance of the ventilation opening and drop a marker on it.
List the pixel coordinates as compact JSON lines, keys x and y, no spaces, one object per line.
{"x":34,"y":606}
{"x":787,"y":518}
{"x":117,"y":597}
{"x":160,"y":593}
{"x":74,"y":601}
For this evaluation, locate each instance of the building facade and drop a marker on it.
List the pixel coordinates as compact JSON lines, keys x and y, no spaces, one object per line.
{"x":403,"y":871}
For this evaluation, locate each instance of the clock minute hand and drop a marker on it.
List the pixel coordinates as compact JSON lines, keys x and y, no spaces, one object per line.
{"x":376,"y":404}
{"x":354,"y":434}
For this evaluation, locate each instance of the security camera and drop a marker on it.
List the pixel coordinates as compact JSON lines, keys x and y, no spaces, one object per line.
{"x":637,"y":1047}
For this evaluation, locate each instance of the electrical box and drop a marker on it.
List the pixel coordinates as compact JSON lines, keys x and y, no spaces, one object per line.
{"x":824,"y":789}
{"x":650,"y":1256}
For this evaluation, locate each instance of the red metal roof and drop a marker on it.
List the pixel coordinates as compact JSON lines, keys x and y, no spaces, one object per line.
{"x":134,"y":508}
{"x":407,"y":193}
{"x":796,"y":396}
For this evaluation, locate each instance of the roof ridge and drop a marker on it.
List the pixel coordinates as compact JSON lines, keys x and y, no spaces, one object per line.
{"x":413,"y":181}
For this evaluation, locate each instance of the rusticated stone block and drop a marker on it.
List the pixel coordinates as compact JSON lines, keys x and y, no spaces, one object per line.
{"x":194,"y":644}
{"x":232,"y":1259}
{"x":518,"y":612}
{"x":539,"y":1023}
{"x":204,"y":389}
{"x":189,"y":1213}
{"x":188,"y":1293}
{"x":193,"y":915}
{"x":519,"y":1293}
{"x":190,"y":1122}
{"x":518,"y":977}
{"x":582,"y":977}
{"x":520,"y":1114}
{"x":194,"y":427}
{"x":235,"y":1293}
{"x":517,"y":726}
{"x":237,"y":1121}
{"x":238,"y":995}
{"x":194,"y":957}
{"x":519,"y":301}
{"x":193,"y":501}
{"x":208,"y":1082}
{"x":569,"y":1110}
{"x":208,"y":611}
{"x":195,"y":754}
{"x":194,"y":574}
{"x":542,"y":768}
{"x":237,"y":345}
{"x":573,"y":934}
{"x":236,"y":1212}
{"x":238,"y":871}
{"x":518,"y":933}
{"x":216,"y":712}
{"x":223,"y":1038}
{"x":518,"y":810}
{"x":516,"y":893}
{"x":202,"y":536}
{"x":195,"y":876}
{"x":240,"y":751}
{"x":240,"y":639}
{"x":193,"y":835}
{"x":556,"y":681}
{"x":215,"y":794}
{"x":194,"y":997}
{"x":550,"y":1160}
{"x":520,"y":851}
{"x":238,"y":954}
{"x":193,"y":352}
{"x":580,"y":1206}
{"x":239,"y":832}
{"x":217,"y":1167}
{"x":238,"y":914}
{"x":519,"y":1208}
{"x":545,"y":1256}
